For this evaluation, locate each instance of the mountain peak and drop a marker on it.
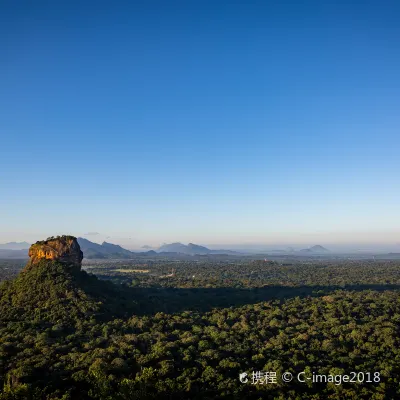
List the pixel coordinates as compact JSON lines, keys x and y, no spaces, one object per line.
{"x":319,"y":248}
{"x":315,"y":249}
{"x":104,"y":250}
{"x":178,"y":247}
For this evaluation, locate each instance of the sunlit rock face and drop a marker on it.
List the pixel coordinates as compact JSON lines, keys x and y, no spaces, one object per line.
{"x":64,"y":249}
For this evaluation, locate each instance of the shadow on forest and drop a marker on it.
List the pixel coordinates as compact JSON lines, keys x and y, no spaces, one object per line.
{"x":172,"y":300}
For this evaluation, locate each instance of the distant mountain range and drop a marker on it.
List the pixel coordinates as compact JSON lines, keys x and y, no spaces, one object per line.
{"x":15,"y":246}
{"x":191,"y":249}
{"x":177,"y":250}
{"x":109,"y":250}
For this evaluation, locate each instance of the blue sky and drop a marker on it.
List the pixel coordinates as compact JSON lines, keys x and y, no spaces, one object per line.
{"x":203,"y":121}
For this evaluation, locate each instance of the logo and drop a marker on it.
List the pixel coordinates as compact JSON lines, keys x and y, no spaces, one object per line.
{"x":243,"y":377}
{"x":287,"y":377}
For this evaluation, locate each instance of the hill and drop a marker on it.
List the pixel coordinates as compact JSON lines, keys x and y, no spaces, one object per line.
{"x":53,"y":288}
{"x":315,"y":249}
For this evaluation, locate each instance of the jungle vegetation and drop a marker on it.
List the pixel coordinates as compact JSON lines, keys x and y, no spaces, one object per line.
{"x":186,"y":330}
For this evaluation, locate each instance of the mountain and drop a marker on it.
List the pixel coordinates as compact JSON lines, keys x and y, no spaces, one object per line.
{"x":191,"y":249}
{"x":104,"y":250}
{"x":196,"y":249}
{"x":315,"y":249}
{"x":116,"y":249}
{"x":173,"y":248}
{"x":318,"y":249}
{"x":15,"y":246}
{"x":148,"y":253}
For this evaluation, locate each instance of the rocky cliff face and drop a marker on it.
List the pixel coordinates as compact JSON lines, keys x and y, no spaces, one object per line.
{"x":64,"y":249}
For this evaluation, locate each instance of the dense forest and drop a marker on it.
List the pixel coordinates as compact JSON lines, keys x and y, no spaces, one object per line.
{"x":186,"y":330}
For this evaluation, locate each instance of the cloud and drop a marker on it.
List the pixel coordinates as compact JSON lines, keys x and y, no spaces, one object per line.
{"x":91,"y":234}
{"x":147,"y":247}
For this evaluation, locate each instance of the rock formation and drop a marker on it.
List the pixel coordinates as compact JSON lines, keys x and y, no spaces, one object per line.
{"x":64,"y":249}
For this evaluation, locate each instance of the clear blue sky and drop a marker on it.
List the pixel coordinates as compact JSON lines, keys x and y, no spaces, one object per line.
{"x":207,"y":121}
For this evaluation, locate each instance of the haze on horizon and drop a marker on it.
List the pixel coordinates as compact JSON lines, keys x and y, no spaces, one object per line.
{"x":208,"y":122}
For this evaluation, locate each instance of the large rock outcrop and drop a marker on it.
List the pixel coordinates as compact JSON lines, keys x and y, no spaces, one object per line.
{"x":64,"y":249}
